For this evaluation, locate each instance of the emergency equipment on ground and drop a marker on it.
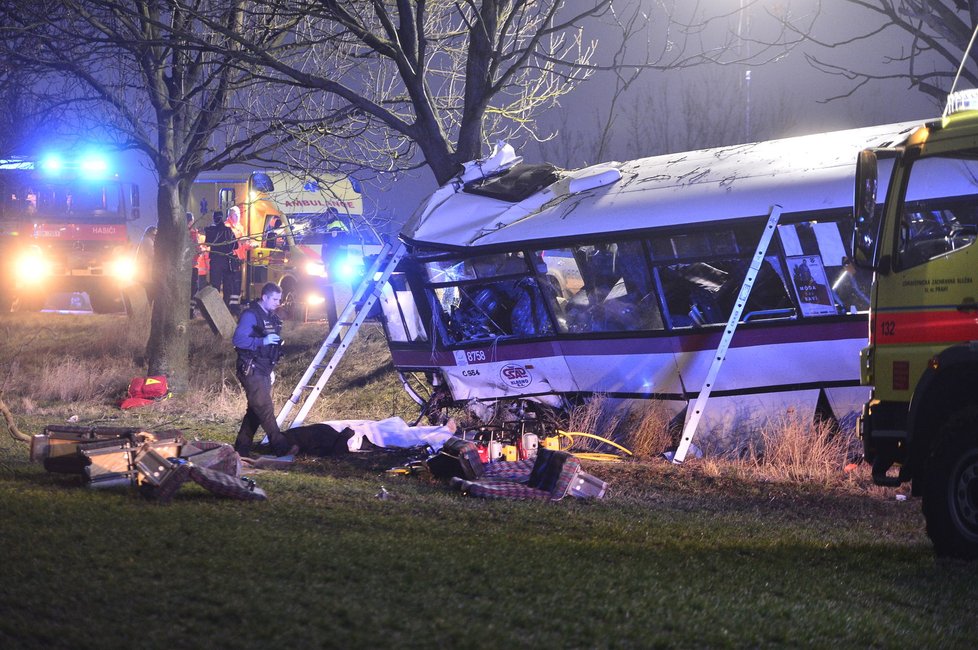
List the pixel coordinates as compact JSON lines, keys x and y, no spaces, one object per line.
{"x":552,"y":475}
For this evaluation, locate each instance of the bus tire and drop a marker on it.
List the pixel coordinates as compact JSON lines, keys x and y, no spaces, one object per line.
{"x":950,"y":499}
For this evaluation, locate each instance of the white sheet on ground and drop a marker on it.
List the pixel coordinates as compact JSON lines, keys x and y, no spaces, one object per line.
{"x":392,"y":432}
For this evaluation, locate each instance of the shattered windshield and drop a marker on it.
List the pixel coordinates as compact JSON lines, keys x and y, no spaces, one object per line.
{"x":332,"y":228}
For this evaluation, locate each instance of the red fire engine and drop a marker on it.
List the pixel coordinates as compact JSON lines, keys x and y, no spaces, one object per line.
{"x":63,"y":229}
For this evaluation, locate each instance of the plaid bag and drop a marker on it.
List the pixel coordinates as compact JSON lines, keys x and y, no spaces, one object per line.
{"x":549,"y":478}
{"x":221,"y":484}
{"x":218,"y":456}
{"x":515,"y":470}
{"x":503,"y":490}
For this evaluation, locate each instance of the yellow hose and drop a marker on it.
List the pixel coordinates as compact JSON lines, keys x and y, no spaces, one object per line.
{"x":596,"y":456}
{"x":574,"y":434}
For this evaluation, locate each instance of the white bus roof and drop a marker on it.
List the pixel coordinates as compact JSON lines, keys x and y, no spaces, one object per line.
{"x":813,"y":172}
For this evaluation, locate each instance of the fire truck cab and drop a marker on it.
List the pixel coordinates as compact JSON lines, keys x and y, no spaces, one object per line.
{"x":304,"y":234}
{"x":922,"y":357}
{"x":63,"y":229}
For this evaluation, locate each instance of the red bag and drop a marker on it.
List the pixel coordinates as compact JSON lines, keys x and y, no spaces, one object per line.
{"x":145,"y":390}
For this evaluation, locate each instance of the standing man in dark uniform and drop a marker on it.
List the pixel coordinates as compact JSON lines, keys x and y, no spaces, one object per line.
{"x":257,"y":340}
{"x":219,"y":239}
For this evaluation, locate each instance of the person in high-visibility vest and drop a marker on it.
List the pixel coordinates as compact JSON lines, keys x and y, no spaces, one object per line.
{"x":239,"y":257}
{"x":200,"y":265}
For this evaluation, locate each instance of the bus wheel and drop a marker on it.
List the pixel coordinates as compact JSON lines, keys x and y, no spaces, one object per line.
{"x":951,"y":489}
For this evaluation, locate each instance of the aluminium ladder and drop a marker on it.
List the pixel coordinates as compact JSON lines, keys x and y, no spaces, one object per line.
{"x":341,"y":335}
{"x":689,"y":430}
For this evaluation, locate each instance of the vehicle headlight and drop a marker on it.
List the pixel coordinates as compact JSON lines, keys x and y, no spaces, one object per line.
{"x":32,"y":267}
{"x":123,"y":268}
{"x":317,"y":269}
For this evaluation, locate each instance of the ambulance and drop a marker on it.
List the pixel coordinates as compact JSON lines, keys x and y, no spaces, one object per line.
{"x":306,"y":234}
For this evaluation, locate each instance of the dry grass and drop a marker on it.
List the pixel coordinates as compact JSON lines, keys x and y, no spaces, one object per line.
{"x":642,"y":426}
{"x":786,"y":449}
{"x":55,"y":368}
{"x":648,"y":432}
{"x":791,"y":449}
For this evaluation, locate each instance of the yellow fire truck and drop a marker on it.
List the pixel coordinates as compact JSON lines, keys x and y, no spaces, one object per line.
{"x":305,"y":234}
{"x":922,"y":357}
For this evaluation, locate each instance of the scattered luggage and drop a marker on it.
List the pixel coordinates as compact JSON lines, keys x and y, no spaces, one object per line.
{"x":157,"y":464}
{"x":457,"y":458}
{"x":551,"y":476}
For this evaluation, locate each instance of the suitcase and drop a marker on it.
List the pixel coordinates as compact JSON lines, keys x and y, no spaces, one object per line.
{"x":167,"y":444}
{"x":109,"y":463}
{"x":457,"y":458}
{"x":59,"y":440}
{"x":213,"y":455}
{"x":152,"y":466}
{"x":241,"y":488}
{"x":587,"y":486}
{"x":553,"y":472}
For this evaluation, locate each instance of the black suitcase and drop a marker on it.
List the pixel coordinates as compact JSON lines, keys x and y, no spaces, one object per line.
{"x":459,"y":458}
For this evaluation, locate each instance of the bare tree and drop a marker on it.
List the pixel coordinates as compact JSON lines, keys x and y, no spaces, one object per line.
{"x":20,"y":117}
{"x":391,"y":84}
{"x":921,"y":42}
{"x":372,"y":83}
{"x":155,"y":77}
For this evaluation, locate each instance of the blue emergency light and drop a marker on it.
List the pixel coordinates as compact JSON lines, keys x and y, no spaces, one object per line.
{"x":93,"y":165}
{"x":349,"y":268}
{"x":52,"y":164}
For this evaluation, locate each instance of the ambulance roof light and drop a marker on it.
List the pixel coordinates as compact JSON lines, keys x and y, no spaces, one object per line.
{"x":962,"y":100}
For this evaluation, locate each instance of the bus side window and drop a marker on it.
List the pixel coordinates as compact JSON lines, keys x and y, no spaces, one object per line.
{"x":820,"y":244}
{"x":704,"y":293}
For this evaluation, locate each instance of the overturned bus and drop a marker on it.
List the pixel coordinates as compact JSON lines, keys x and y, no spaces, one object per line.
{"x":526,"y":282}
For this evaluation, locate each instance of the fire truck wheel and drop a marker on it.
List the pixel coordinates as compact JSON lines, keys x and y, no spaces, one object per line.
{"x":28,"y":302}
{"x":951,"y":489}
{"x":105,"y":302}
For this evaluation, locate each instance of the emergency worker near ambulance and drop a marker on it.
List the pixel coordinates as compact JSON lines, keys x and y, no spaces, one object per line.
{"x":219,"y":241}
{"x":239,"y":257}
{"x":200,"y":266}
{"x":257,"y":340}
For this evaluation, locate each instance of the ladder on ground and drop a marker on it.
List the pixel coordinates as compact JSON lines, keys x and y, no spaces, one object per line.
{"x":689,"y":430}
{"x":341,"y":336}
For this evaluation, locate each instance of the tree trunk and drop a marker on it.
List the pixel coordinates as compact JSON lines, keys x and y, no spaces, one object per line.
{"x":168,"y":348}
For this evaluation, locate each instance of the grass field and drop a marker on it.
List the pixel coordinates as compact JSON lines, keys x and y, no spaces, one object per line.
{"x":708,"y":554}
